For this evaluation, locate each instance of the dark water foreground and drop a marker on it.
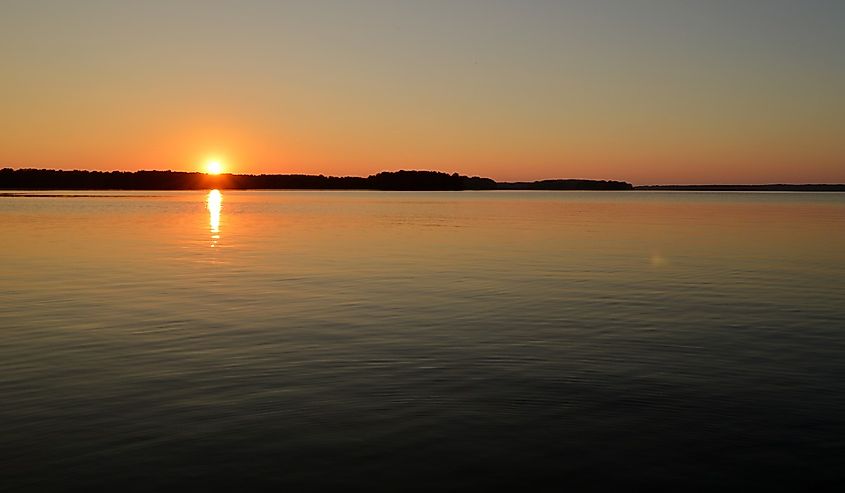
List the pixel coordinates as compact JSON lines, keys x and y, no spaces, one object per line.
{"x":422,"y":341}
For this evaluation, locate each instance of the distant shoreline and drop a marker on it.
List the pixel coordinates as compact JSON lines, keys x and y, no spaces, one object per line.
{"x":47,"y":179}
{"x":774,"y":187}
{"x":51,"y":179}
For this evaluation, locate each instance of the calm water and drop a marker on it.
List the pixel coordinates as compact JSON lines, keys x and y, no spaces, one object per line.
{"x":422,"y":341}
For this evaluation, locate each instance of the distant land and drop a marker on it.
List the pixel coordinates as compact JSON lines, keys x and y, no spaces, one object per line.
{"x":774,"y":187}
{"x":47,"y":179}
{"x":51,"y":179}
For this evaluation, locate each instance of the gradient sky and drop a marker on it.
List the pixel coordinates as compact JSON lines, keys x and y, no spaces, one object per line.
{"x":667,"y":91}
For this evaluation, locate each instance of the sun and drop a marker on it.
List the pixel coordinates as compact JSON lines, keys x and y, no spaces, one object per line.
{"x":213,"y":167}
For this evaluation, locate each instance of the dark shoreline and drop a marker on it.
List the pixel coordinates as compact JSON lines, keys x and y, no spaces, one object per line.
{"x":45,"y":179}
{"x":48,"y":179}
{"x":774,"y":187}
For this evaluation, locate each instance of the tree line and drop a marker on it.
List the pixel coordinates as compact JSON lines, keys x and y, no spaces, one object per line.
{"x":50,"y":179}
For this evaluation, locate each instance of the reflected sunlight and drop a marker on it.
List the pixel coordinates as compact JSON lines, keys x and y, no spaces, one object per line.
{"x":658,"y":260}
{"x":214,"y":202}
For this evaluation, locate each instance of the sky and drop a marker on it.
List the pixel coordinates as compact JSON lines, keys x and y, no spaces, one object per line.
{"x":647,"y":91}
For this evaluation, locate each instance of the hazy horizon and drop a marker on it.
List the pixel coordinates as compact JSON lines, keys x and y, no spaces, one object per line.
{"x":650,"y":92}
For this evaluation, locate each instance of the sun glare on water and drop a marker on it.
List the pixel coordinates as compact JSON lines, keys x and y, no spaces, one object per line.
{"x":214,"y":167}
{"x":214,"y":201}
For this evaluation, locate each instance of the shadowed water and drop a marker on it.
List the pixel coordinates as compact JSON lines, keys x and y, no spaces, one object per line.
{"x":422,"y":341}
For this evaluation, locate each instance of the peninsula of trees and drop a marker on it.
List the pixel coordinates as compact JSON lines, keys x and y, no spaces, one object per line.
{"x":47,"y":179}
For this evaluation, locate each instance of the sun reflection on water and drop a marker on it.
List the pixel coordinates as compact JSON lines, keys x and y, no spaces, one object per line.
{"x":214,"y":202}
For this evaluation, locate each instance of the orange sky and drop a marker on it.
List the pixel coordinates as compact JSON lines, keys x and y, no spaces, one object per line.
{"x":648,"y":92}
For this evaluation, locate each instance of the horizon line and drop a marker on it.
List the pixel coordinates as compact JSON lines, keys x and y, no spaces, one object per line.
{"x":664,"y":184}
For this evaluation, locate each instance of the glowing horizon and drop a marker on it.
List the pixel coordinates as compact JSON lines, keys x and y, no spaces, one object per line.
{"x":646,"y":92}
{"x":214,"y":167}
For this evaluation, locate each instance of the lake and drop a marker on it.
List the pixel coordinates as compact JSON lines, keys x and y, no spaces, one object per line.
{"x":422,"y":341}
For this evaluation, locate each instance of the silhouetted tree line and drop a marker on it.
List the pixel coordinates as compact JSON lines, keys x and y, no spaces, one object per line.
{"x":427,"y":180}
{"x":47,"y":179}
{"x":566,"y":185}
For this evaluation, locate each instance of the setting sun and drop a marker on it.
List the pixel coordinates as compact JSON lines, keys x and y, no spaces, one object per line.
{"x":213,"y":167}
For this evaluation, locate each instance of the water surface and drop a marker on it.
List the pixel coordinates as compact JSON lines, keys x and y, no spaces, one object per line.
{"x":422,"y":341}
